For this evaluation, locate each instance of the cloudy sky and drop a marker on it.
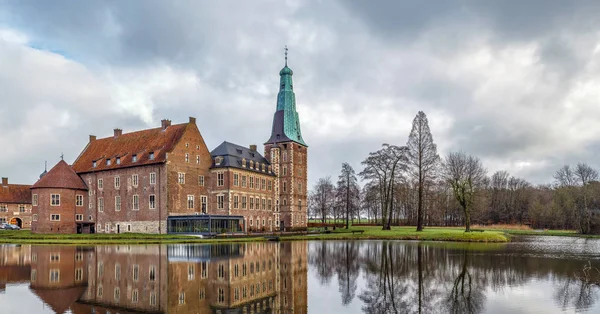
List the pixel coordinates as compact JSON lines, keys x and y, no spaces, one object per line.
{"x":516,"y":83}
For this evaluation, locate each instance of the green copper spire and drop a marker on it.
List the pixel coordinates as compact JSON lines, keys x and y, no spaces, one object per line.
{"x":286,"y":123}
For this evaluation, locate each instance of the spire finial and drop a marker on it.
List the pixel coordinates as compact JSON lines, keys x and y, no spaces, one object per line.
{"x":286,"y":52}
{"x":62,"y":156}
{"x":45,"y":165}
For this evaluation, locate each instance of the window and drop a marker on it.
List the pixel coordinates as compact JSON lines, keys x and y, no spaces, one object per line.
{"x":78,"y":274}
{"x":21,"y":208}
{"x":284,"y":187}
{"x":284,"y":156}
{"x":100,"y":292}
{"x":35,"y":217}
{"x":117,"y":294}
{"x":284,"y":171}
{"x":55,"y":217}
{"x":117,"y":182}
{"x":100,"y":183}
{"x":152,"y":201}
{"x":117,"y":203}
{"x":220,"y":179}
{"x":152,"y":298}
{"x":33,"y":275}
{"x":91,"y":203}
{"x":201,"y":180}
{"x":299,"y":205}
{"x":269,"y":204}
{"x":187,"y":157}
{"x":107,"y":227}
{"x":243,"y":181}
{"x":220,"y":201}
{"x":264,"y":204}
{"x":243,"y":202}
{"x":221,"y":271}
{"x":54,"y":275}
{"x":133,"y":158}
{"x":236,"y":180}
{"x":94,"y":164}
{"x":34,"y":200}
{"x":203,"y":269}
{"x":136,"y":272}
{"x":263,"y":184}
{"x":181,"y":178}
{"x":128,"y":227}
{"x":79,"y":217}
{"x":55,"y":200}
{"x":118,"y":271}
{"x":218,"y":160}
{"x":55,"y":257}
{"x":251,"y":202}
{"x":191,"y":272}
{"x":204,"y":200}
{"x":181,"y":298}
{"x":235,"y":201}
{"x":244,"y":162}
{"x":299,"y":187}
{"x":221,"y":295}
{"x":3,"y":208}
{"x":152,"y":177}
{"x":134,"y":180}
{"x":151,"y":155}
{"x":135,"y":296}
{"x":100,"y":204}
{"x":152,"y":273}
{"x":118,"y":160}
{"x":251,"y":182}
{"x":136,"y":202}
{"x":190,"y":201}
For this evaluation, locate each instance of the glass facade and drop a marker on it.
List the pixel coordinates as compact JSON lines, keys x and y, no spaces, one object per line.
{"x":205,"y":224}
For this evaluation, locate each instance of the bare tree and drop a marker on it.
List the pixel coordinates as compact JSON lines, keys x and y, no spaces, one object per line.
{"x":383,"y":167}
{"x":585,"y":175}
{"x":465,"y":174}
{"x":347,"y":190}
{"x":423,"y":159}
{"x":322,"y":198}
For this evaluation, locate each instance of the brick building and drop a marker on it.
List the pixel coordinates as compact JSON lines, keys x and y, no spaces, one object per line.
{"x":165,"y":179}
{"x":15,"y":204}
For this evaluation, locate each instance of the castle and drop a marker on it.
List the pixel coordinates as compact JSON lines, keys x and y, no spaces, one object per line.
{"x":165,"y":180}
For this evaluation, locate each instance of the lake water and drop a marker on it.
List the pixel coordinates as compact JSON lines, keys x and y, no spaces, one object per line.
{"x":531,"y":275}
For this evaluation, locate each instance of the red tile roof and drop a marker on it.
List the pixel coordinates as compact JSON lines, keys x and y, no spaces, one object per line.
{"x":60,"y":300}
{"x":139,"y":143}
{"x":15,"y":194}
{"x":61,"y":176}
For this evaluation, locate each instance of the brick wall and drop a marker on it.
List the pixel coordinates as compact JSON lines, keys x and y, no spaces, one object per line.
{"x":44,"y":210}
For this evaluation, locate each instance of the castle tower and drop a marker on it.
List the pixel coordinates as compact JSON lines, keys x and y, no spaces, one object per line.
{"x":287,"y":152}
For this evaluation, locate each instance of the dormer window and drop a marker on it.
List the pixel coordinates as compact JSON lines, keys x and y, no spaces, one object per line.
{"x":93,"y":164}
{"x":239,"y":151}
{"x":133,"y":158}
{"x":244,"y":162}
{"x":108,"y":162}
{"x":151,"y":155}
{"x":263,"y":167}
{"x":218,"y":160}
{"x":269,"y":168}
{"x":118,"y":161}
{"x":251,"y":164}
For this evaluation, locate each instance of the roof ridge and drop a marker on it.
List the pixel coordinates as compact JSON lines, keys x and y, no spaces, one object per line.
{"x":142,"y":130}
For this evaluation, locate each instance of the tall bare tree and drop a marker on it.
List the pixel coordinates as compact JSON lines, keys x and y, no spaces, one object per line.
{"x":384,"y":167}
{"x":322,"y":198}
{"x":465,"y":174}
{"x":348,"y":190}
{"x":585,"y":175}
{"x":423,"y":159}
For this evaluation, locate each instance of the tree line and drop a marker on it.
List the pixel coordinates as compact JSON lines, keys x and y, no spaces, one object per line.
{"x":412,"y":185}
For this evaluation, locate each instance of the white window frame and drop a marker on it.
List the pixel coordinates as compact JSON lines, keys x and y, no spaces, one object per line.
{"x":201,"y":180}
{"x":54,"y":199}
{"x":181,"y":177}
{"x":220,"y":201}
{"x":79,"y":200}
{"x":134,"y":180}
{"x":54,"y":217}
{"x":152,"y":177}
{"x":78,"y":217}
{"x":204,"y":203}
{"x":118,"y":203}
{"x":220,"y":179}
{"x":34,"y":217}
{"x":190,"y":201}
{"x":152,"y":201}
{"x":100,"y":204}
{"x":34,"y":200}
{"x":117,"y":182}
{"x":100,"y":184}
{"x":135,"y":202}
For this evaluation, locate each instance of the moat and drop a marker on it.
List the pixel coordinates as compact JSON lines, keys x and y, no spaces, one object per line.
{"x":528,"y":275}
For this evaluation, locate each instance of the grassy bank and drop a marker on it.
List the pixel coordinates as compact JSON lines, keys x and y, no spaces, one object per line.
{"x":409,"y":233}
{"x":397,"y":233}
{"x":26,"y":237}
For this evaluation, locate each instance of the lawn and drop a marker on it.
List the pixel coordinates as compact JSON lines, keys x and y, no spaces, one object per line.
{"x":409,"y":233}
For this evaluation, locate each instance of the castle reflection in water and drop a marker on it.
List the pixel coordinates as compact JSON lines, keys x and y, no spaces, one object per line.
{"x":224,"y":278}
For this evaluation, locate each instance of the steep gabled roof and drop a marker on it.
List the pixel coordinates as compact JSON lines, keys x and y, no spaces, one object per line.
{"x":15,"y":194}
{"x":233,"y":156}
{"x":61,"y":176}
{"x":60,"y":299}
{"x":158,"y":141}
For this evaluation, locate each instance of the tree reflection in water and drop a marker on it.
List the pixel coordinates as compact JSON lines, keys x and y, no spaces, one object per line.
{"x":407,"y":277}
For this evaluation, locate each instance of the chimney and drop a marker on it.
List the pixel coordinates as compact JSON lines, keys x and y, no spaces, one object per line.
{"x":164,"y":123}
{"x":118,"y":132}
{"x":4,"y":181}
{"x":92,"y":138}
{"x":253,"y":147}
{"x":193,"y":120}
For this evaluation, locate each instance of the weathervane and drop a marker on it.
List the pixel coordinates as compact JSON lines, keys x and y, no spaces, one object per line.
{"x":286,"y":51}
{"x":62,"y":156}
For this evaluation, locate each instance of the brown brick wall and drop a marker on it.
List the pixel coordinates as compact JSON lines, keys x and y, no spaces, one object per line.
{"x":66,"y":210}
{"x":14,"y":211}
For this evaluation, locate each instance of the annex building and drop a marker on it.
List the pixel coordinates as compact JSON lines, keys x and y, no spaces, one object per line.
{"x":165,"y":179}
